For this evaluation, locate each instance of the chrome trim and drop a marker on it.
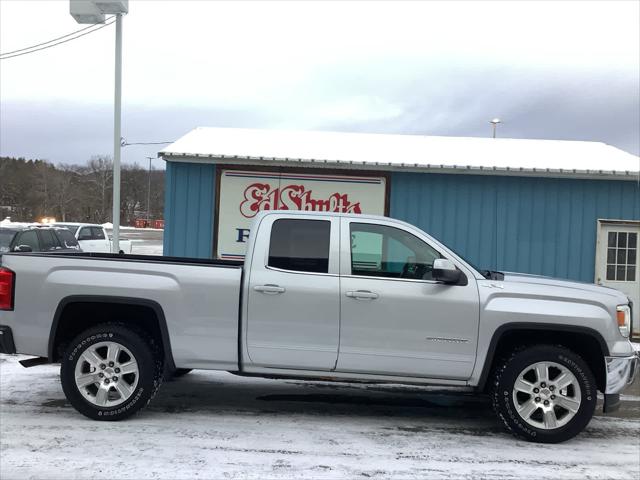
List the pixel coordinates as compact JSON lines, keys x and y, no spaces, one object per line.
{"x":412,"y":280}
{"x":621,"y":372}
{"x":300,"y":272}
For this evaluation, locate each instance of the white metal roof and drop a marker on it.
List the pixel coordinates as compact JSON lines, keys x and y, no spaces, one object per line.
{"x":404,"y":152}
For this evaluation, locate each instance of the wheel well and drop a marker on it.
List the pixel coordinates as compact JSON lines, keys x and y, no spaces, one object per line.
{"x":581,"y":343}
{"x":73,"y":317}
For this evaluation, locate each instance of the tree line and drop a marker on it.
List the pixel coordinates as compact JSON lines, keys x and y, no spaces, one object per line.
{"x":32,"y":189}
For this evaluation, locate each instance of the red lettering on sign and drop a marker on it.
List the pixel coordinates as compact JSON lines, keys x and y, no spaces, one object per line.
{"x":260,"y":196}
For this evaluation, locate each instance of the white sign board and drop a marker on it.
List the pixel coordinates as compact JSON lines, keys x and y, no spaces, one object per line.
{"x":245,"y":193}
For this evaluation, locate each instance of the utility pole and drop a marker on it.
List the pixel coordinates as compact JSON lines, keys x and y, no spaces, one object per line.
{"x":149,"y":193}
{"x":93,"y":12}
{"x":117,"y":140}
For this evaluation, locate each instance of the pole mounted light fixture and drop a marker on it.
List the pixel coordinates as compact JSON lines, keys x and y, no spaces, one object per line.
{"x":94,"y":12}
{"x":495,"y":123}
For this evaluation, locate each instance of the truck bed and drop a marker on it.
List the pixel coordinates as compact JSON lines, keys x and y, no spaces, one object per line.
{"x":199,"y":299}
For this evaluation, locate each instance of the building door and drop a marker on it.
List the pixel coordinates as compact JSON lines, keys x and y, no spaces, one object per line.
{"x":617,"y":261}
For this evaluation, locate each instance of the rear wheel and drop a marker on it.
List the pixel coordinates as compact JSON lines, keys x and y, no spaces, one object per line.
{"x":109,"y":372}
{"x":544,"y":393}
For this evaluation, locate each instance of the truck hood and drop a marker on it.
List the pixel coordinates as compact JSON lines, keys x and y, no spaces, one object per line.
{"x":558,"y":282}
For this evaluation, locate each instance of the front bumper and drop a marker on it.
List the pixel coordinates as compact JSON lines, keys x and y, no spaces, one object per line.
{"x":621,"y":372}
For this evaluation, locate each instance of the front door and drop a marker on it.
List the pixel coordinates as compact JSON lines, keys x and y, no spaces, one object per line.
{"x":617,"y":261}
{"x":395,"y":319}
{"x":293,"y":313}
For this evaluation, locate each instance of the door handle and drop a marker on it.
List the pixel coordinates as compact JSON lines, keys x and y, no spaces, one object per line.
{"x":362,"y":294}
{"x":270,"y":289}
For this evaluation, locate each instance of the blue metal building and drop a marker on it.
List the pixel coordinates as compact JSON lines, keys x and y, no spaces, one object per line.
{"x":534,"y":206}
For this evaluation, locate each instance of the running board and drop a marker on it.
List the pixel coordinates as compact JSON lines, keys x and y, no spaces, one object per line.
{"x":32,"y":362}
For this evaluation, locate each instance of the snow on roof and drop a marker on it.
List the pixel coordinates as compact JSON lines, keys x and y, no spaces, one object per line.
{"x":404,"y":152}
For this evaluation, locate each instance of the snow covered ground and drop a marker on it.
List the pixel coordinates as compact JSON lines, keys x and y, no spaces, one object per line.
{"x":216,"y":425}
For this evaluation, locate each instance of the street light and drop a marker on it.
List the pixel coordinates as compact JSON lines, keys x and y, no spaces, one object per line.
{"x":94,"y":11}
{"x":495,"y":123}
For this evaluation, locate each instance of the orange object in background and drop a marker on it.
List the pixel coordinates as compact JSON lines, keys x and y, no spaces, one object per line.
{"x":158,"y":224}
{"x":141,"y":223}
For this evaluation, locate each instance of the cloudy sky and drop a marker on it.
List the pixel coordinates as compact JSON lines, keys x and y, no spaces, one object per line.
{"x":548,"y":69}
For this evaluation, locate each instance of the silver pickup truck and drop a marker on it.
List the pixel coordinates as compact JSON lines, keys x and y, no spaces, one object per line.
{"x":322,"y":296}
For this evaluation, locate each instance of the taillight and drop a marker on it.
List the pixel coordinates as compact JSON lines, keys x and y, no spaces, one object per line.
{"x":7,"y":281}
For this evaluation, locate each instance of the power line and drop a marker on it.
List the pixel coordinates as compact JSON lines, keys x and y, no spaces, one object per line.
{"x":5,"y":56}
{"x":49,"y":41}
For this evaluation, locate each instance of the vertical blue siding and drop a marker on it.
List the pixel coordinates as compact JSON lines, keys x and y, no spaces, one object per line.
{"x":189,"y":210}
{"x":537,"y":225}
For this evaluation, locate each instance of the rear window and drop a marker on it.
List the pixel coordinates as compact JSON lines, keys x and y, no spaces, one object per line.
{"x":67,"y":239}
{"x":300,"y":245}
{"x":48,"y":241}
{"x":97,"y":233}
{"x":5,"y":240}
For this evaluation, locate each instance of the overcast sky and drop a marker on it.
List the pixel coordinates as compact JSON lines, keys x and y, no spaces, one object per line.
{"x":548,"y":69}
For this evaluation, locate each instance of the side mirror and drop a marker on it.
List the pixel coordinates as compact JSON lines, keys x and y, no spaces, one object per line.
{"x":445,"y":271}
{"x":23,"y":248}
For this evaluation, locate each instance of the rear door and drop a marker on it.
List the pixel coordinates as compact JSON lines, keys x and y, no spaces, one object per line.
{"x":293,"y":315}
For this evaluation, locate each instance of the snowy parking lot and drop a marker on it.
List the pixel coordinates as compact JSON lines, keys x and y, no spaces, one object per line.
{"x":217,"y":425}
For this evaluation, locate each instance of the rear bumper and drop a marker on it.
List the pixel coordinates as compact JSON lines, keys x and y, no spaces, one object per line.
{"x":621,"y":372}
{"x":6,"y":340}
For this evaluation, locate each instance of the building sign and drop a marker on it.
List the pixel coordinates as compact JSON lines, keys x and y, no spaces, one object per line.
{"x":244,"y":193}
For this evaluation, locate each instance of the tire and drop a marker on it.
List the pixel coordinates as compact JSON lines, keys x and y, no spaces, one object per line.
{"x":519,"y":392}
{"x":116,"y":395}
{"x":181,"y":372}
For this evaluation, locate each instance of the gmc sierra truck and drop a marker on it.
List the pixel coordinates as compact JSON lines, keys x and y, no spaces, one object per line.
{"x":322,"y":296}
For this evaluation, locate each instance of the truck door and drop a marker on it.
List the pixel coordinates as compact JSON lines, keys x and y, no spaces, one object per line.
{"x":395,"y":319}
{"x":293,"y":311}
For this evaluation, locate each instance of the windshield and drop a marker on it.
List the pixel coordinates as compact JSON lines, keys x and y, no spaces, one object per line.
{"x":71,"y":228}
{"x":5,"y":239}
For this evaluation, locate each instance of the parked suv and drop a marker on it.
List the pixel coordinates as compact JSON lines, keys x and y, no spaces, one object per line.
{"x":37,"y":239}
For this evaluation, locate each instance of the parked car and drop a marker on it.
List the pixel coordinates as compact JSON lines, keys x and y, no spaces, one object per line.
{"x":93,"y":237}
{"x":37,"y":239}
{"x":323,"y":296}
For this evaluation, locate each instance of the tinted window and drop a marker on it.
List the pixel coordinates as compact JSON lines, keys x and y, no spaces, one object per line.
{"x":85,"y":233}
{"x":97,"y":233}
{"x":67,"y":239}
{"x":5,"y":239}
{"x":381,"y":251}
{"x":48,"y":240}
{"x":300,"y":245}
{"x":29,"y":238}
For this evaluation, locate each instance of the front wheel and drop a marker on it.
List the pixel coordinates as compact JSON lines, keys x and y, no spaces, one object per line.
{"x":544,"y":394}
{"x":109,"y":372}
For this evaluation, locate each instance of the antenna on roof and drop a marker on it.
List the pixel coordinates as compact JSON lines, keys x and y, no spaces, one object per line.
{"x":495,"y":123}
